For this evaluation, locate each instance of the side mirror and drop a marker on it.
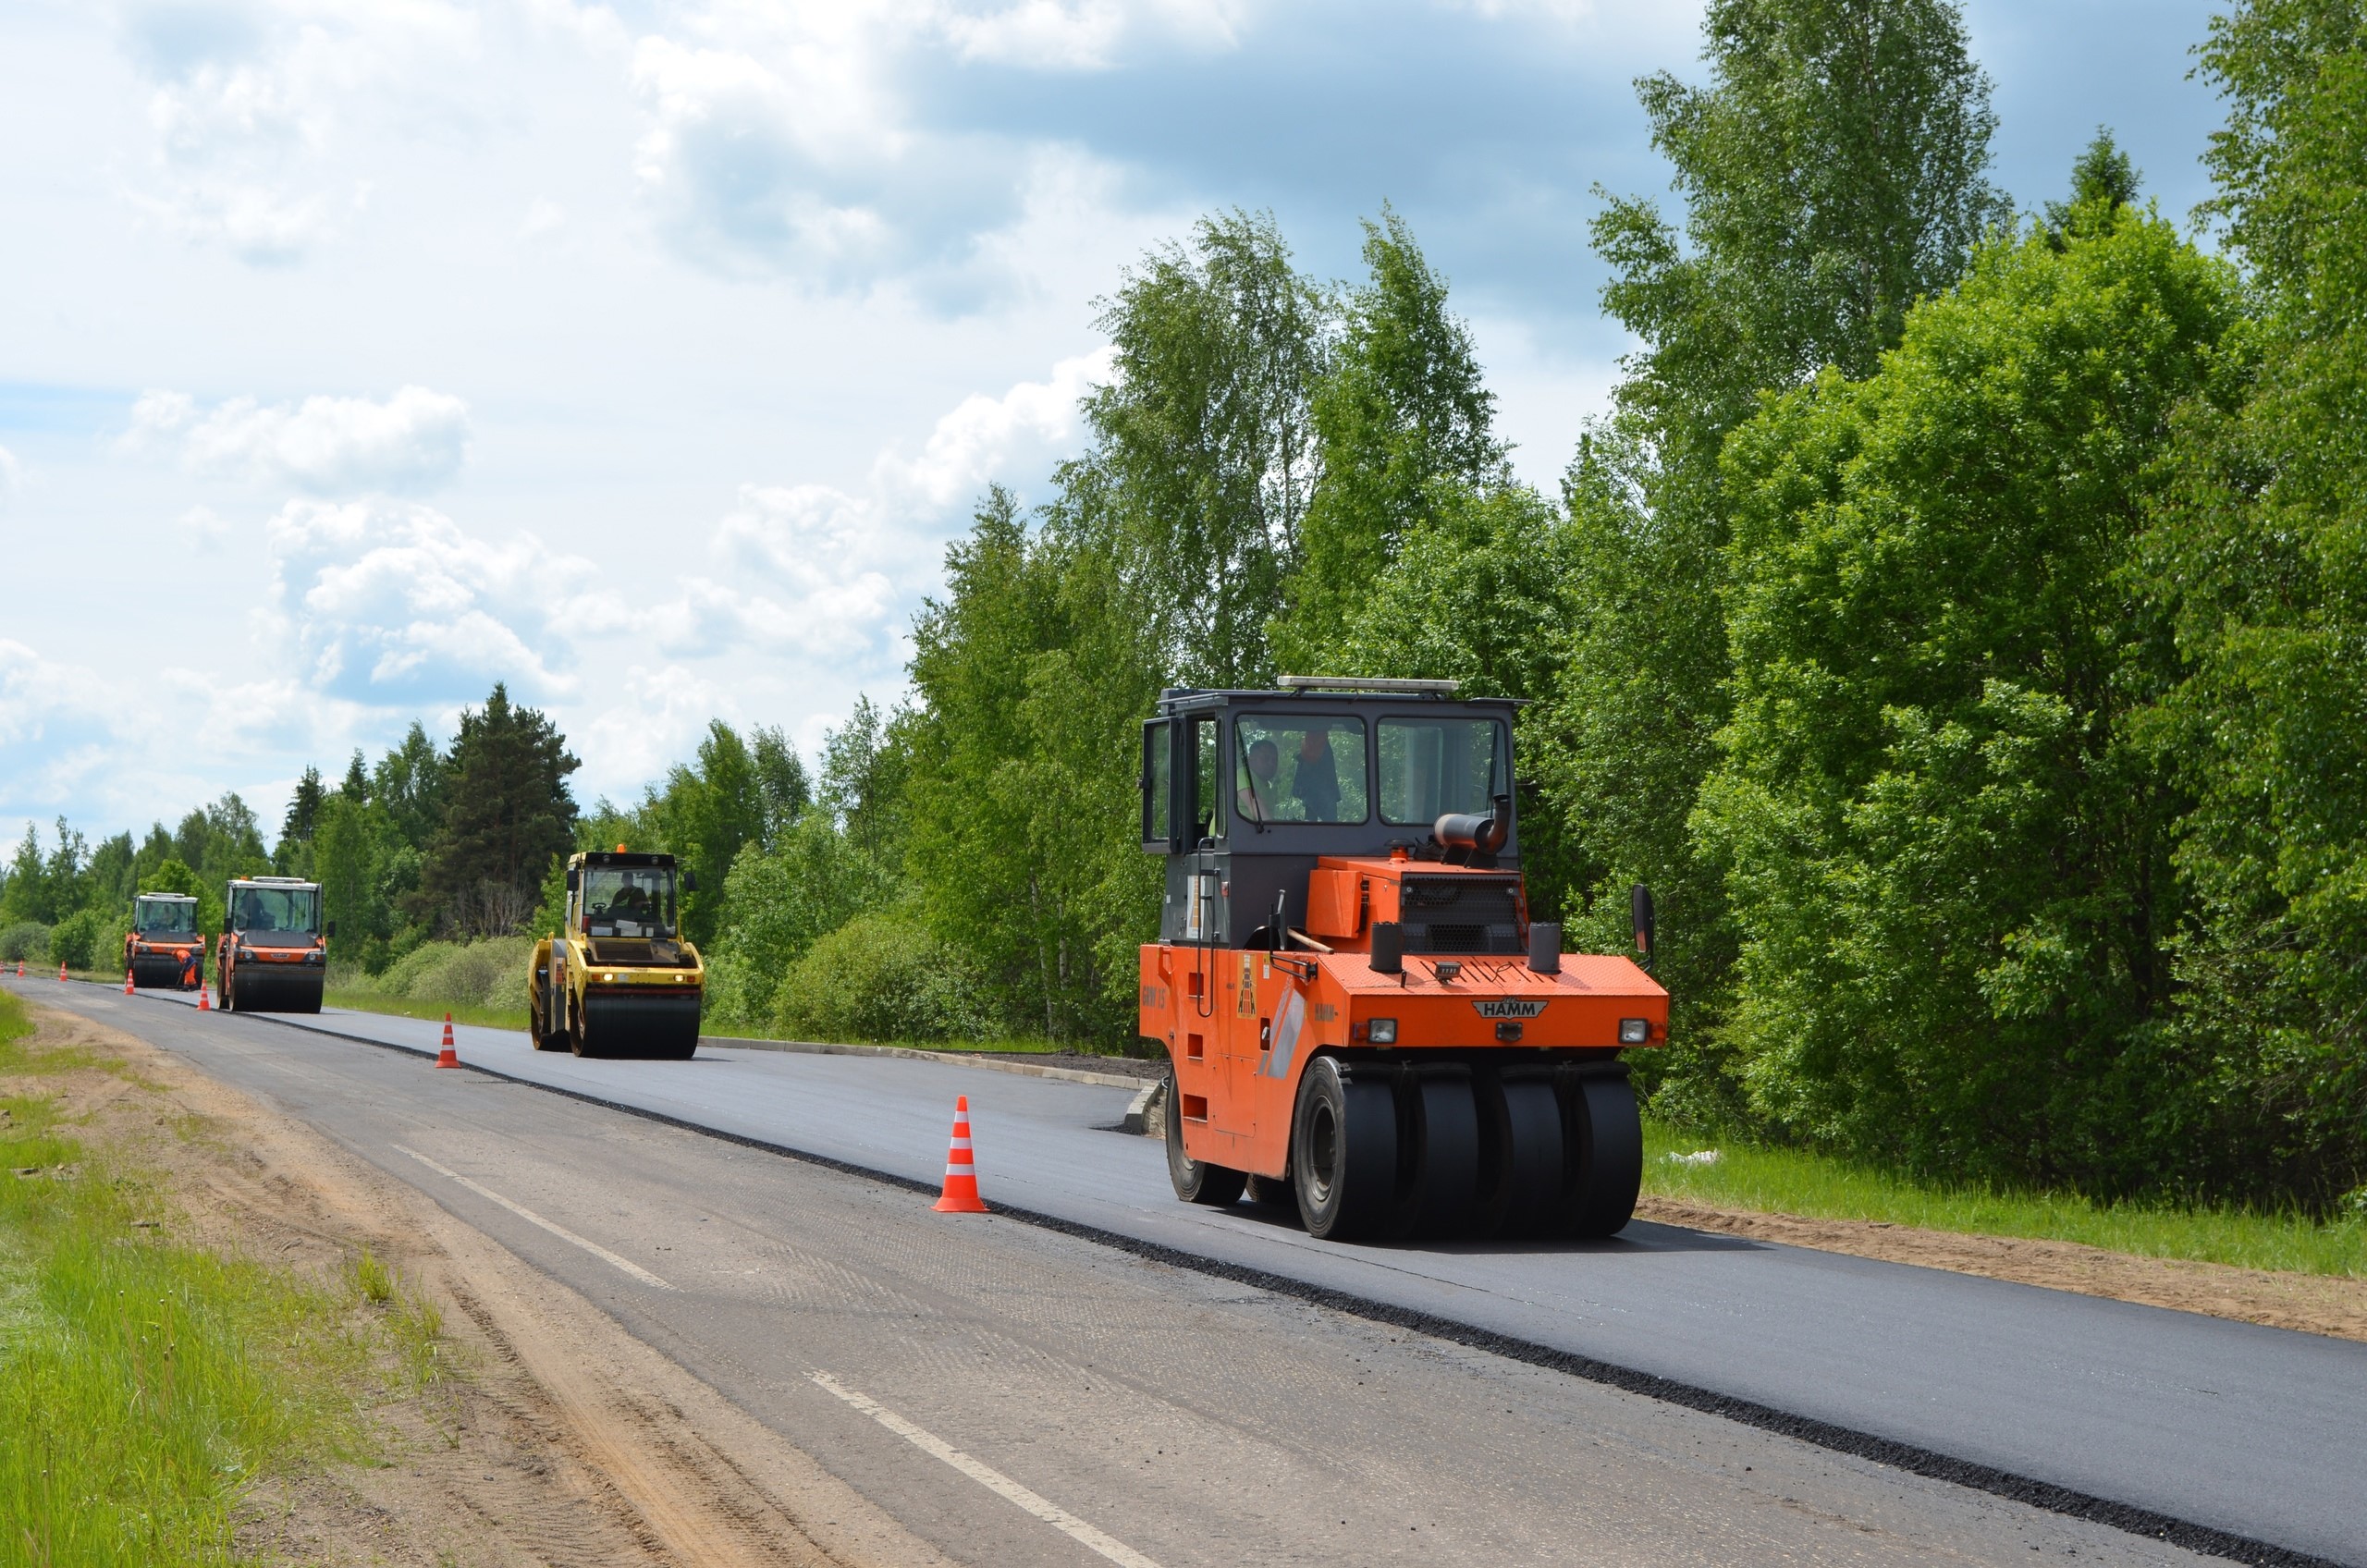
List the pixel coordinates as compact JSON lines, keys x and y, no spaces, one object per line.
{"x":689,"y":880}
{"x":1639,"y":901}
{"x":572,"y":876}
{"x":329,"y":929}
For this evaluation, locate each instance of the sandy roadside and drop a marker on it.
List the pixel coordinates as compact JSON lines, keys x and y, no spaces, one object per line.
{"x":559,"y":1439}
{"x":2315,"y":1304}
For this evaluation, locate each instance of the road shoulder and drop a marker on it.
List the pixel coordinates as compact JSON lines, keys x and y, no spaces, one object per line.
{"x":558,"y":1437}
{"x":2312,"y":1303}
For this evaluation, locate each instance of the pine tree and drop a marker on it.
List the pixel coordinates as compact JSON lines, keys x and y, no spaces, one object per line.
{"x":506,"y":813}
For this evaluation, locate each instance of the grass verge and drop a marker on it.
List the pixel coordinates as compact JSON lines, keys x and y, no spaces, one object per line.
{"x":145,"y":1384}
{"x":402,"y":1006}
{"x":515,"y":1019}
{"x":1815,"y":1186}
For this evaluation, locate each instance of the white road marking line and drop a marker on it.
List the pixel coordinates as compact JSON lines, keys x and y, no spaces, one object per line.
{"x":994,"y":1481}
{"x":528,"y":1214}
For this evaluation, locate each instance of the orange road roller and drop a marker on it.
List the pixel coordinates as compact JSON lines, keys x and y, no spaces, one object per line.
{"x":1359,"y":1015}
{"x":272,"y":954}
{"x":164,"y":949}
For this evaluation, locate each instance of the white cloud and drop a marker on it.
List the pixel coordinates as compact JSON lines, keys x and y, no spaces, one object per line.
{"x":413,"y":441}
{"x":829,"y":574}
{"x":794,"y":140}
{"x":386,"y":602}
{"x":1084,"y":34}
{"x":11,"y":475}
{"x":543,"y":217}
{"x":248,"y":99}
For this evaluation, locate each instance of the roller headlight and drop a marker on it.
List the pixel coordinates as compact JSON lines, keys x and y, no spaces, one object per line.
{"x":1381,"y":1031}
{"x":1635,"y":1031}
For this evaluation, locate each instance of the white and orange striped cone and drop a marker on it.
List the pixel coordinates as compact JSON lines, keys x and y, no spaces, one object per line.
{"x":202,"y":1004}
{"x":61,"y":969}
{"x":447,"y":1057}
{"x":127,"y":982}
{"x":960,"y":1170}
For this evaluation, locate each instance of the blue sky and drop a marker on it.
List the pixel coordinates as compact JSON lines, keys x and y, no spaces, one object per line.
{"x":354,"y":355}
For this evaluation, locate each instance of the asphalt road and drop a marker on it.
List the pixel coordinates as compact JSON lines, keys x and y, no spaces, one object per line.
{"x":1051,"y":1359}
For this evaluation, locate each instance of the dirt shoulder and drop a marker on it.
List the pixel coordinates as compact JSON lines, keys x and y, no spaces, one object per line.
{"x":2314,"y":1303}
{"x":551,"y":1436}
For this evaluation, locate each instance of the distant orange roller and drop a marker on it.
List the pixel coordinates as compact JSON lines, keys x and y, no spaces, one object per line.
{"x":960,"y":1173}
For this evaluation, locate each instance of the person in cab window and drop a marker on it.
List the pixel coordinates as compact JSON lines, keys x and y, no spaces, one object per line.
{"x":1254,"y":799}
{"x":1316,"y":783}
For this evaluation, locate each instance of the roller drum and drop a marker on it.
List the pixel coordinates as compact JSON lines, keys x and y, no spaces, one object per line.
{"x":664,"y":1026}
{"x":271,"y":988}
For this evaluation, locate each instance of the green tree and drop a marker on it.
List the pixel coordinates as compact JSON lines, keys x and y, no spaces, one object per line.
{"x":410,"y":781}
{"x":27,"y":894}
{"x":222,"y":841}
{"x":2259,"y":557}
{"x":1832,"y":171}
{"x":292,"y":855}
{"x":1400,"y":413}
{"x":706,"y":811}
{"x":1947,"y":849}
{"x":1204,"y":457}
{"x":1031,"y":682}
{"x":507,"y":813}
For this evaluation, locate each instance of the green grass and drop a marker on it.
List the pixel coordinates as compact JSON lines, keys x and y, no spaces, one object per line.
{"x":144,"y":1383}
{"x":515,"y":1019}
{"x":1817,"y":1186}
{"x":399,"y":1006}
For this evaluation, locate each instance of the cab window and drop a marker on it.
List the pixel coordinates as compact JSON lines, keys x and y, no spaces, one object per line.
{"x":1299,"y":769}
{"x":1431,"y":766}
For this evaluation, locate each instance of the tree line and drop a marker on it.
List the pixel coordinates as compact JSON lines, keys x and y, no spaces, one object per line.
{"x":1957,"y":620}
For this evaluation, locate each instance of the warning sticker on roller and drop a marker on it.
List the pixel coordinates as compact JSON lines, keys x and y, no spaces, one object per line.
{"x":1510,"y":1007}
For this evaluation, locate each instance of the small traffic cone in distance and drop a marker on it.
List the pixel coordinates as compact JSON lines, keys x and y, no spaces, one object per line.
{"x":61,"y":969}
{"x":960,"y":1170}
{"x":447,"y":1057}
{"x":202,"y":1004}
{"x":127,"y":982}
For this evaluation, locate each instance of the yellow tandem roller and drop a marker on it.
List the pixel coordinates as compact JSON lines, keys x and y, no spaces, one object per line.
{"x":619,"y":981}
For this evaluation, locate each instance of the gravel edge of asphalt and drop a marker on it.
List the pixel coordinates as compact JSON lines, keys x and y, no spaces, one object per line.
{"x":2204,"y":1539}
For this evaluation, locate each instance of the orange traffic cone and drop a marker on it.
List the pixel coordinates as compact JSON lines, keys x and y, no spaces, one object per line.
{"x":961,"y":1174}
{"x":127,"y":982}
{"x":61,"y":969}
{"x":203,"y":1005}
{"x":447,"y":1057}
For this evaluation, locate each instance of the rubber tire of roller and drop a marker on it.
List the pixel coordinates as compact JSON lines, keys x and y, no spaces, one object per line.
{"x":1520,"y":1154}
{"x":1444,"y":1174}
{"x":1344,"y":1153}
{"x":536,"y":1017}
{"x":1606,"y":1166}
{"x":579,"y":1034}
{"x":1196,"y":1181}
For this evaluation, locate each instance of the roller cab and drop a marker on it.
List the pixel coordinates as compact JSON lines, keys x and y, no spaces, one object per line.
{"x":1361,"y":1017}
{"x":164,"y":949}
{"x":272,"y":954}
{"x":619,"y":980}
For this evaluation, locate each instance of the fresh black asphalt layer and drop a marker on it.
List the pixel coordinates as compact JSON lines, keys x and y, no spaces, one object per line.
{"x":2218,"y":1438}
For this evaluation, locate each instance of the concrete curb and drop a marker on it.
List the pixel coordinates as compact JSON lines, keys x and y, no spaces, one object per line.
{"x":961,"y":1059}
{"x":1147,"y":1113}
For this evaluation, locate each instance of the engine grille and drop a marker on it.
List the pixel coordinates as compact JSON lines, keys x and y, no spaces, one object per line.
{"x":1461,"y":914}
